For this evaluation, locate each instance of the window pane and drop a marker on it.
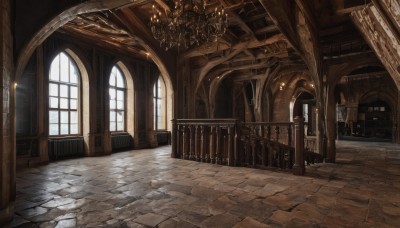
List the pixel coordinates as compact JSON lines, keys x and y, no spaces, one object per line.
{"x":159,"y":94}
{"x":112,"y":78}
{"x":120,"y":126}
{"x":74,"y":129}
{"x":155,"y":113}
{"x":155,"y":90}
{"x":64,"y":117}
{"x":64,"y":129}
{"x":112,"y":104}
{"x":53,"y":102}
{"x":120,"y":105}
{"x":112,"y":126}
{"x":120,"y":80}
{"x":53,"y":90}
{"x":73,"y":77}
{"x":160,"y":123}
{"x":74,"y":117}
{"x":73,"y":104}
{"x":112,"y":116}
{"x":53,"y":117}
{"x":120,"y":95}
{"x":64,"y":73}
{"x":54,"y":69}
{"x":64,"y":103}
{"x":63,"y":91}
{"x":112,"y":94}
{"x":53,"y":129}
{"x":120,"y":116}
{"x":73,"y":92}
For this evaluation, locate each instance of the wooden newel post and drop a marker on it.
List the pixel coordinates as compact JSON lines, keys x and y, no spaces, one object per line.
{"x":299,"y":167}
{"x":174,"y":139}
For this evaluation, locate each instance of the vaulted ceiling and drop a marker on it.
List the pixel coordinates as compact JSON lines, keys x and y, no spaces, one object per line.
{"x":261,"y":33}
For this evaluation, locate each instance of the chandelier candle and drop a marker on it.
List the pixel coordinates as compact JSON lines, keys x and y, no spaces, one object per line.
{"x":188,"y":24}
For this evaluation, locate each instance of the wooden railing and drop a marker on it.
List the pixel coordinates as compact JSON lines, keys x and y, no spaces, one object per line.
{"x":206,"y":140}
{"x":310,"y":150}
{"x":231,"y":142}
{"x":267,"y":145}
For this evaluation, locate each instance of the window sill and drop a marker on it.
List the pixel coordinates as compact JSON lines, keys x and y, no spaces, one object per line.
{"x":65,"y":137}
{"x":119,"y":133}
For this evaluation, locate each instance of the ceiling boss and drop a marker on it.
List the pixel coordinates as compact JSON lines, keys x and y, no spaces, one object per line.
{"x":188,"y":23}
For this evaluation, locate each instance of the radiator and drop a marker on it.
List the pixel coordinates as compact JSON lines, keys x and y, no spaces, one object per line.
{"x":121,"y":142}
{"x":163,"y":137}
{"x":59,"y":148}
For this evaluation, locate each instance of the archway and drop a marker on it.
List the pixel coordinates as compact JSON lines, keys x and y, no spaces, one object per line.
{"x":365,"y":104}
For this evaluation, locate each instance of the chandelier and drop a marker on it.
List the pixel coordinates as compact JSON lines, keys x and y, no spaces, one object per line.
{"x":189,"y":23}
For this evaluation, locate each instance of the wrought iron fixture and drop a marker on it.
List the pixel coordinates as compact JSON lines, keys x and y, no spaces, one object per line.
{"x":188,"y":23}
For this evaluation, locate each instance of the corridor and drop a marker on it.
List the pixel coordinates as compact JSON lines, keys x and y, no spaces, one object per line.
{"x":146,"y":188}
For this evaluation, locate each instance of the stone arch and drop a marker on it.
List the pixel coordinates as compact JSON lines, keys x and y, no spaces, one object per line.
{"x":87,"y":123}
{"x":130,"y":95}
{"x":169,"y":98}
{"x":384,"y":95}
{"x":70,"y":14}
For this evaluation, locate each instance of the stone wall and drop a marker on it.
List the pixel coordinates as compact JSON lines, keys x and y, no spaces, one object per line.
{"x":7,"y":155}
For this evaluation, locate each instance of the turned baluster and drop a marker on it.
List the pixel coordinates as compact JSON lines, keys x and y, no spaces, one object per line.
{"x":178,"y":141}
{"x":174,"y":134}
{"x":192,"y":142}
{"x":277,"y":133}
{"x":203,"y":143}
{"x":269,"y":132}
{"x":230,"y":160}
{"x":263,"y":154}
{"x":218,"y":145}
{"x":212,"y":144}
{"x":196,"y":143}
{"x":236,"y":144}
{"x":270,"y":155}
{"x":185,"y":143}
{"x":253,"y":151}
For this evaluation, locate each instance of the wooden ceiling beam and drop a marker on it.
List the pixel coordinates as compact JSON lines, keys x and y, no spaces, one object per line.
{"x":257,"y":17}
{"x":253,"y":43}
{"x":267,"y":29}
{"x":233,"y":16}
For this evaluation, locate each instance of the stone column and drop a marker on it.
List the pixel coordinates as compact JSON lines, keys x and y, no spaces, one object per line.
{"x":317,"y":123}
{"x":330,"y":128}
{"x":7,"y":125}
{"x":42,"y":106}
{"x":299,"y":167}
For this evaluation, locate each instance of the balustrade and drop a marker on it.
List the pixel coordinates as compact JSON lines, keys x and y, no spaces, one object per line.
{"x":231,"y":142}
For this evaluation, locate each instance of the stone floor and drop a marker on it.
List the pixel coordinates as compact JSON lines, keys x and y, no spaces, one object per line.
{"x":146,"y":188}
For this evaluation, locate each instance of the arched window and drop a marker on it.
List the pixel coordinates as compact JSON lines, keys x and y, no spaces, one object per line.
{"x":159,"y":105}
{"x":117,"y":92}
{"x":64,"y":80}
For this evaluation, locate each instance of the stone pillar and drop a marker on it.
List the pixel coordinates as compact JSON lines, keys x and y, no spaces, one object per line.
{"x":42,"y":106}
{"x":299,"y":167}
{"x":7,"y":125}
{"x":317,"y":123}
{"x":330,"y":122}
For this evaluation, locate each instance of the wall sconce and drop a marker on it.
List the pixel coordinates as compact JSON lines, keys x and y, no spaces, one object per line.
{"x":15,"y":85}
{"x":281,"y":86}
{"x":312,"y":85}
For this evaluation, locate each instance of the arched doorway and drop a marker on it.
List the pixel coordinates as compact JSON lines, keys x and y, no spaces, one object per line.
{"x":365,"y":105}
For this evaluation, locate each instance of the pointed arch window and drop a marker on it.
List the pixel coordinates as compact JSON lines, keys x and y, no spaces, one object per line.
{"x":117,"y":91}
{"x":159,"y":104}
{"x":64,"y":92}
